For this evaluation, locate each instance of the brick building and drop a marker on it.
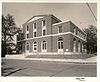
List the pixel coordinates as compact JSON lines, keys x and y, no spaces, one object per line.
{"x":46,"y":34}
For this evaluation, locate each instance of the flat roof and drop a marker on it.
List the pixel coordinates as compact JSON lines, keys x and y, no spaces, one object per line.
{"x":61,"y":22}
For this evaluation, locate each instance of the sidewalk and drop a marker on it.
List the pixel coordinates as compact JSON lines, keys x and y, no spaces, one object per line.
{"x":92,"y":60}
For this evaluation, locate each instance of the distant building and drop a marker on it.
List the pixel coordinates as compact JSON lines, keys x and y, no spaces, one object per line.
{"x":46,"y":34}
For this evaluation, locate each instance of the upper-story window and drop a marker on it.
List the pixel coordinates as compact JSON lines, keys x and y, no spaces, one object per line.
{"x":27,"y":28}
{"x":78,"y":33}
{"x":43,"y":28}
{"x":34,"y":34}
{"x":44,"y":32}
{"x":81,"y":35}
{"x":34,"y":25}
{"x":2,"y":36}
{"x":27,"y":35}
{"x":60,"y":29}
{"x":84,"y":37}
{"x":43,"y":23}
{"x":27,"y":32}
{"x":74,"y":30}
{"x":34,"y":30}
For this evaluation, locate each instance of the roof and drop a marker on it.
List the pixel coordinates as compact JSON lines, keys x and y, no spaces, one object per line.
{"x":60,"y":22}
{"x":36,"y":17}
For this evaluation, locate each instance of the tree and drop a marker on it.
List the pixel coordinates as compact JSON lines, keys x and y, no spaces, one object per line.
{"x":20,"y":45}
{"x":91,"y":43}
{"x":9,"y":29}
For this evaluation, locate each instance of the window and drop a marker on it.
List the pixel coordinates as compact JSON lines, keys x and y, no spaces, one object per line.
{"x":27,"y":46}
{"x":34,"y":34}
{"x":43,"y":28}
{"x":35,"y":46}
{"x":3,"y":36}
{"x":78,"y":33}
{"x":27,"y":32}
{"x":74,"y":30}
{"x":60,"y":29}
{"x":82,"y":47}
{"x":79,"y":49}
{"x":27,"y":35}
{"x":43,"y":22}
{"x":82,"y":35}
{"x":60,"y":43}
{"x":34,"y":30}
{"x":74,"y":45}
{"x":34,"y":25}
{"x":85,"y":37}
{"x":44,"y":32}
{"x":27,"y":28}
{"x":44,"y":45}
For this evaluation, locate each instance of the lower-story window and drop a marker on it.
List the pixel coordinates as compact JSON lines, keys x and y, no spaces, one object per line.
{"x":35,"y":46}
{"x":82,"y":47}
{"x":74,"y":45}
{"x":27,"y":36}
{"x":44,"y":45}
{"x":60,"y":43}
{"x":79,"y":49}
{"x":27,"y":47}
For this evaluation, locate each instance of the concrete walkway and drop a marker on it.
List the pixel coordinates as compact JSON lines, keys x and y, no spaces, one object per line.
{"x":91,"y":60}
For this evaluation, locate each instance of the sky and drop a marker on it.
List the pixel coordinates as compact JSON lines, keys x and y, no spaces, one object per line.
{"x":78,"y":13}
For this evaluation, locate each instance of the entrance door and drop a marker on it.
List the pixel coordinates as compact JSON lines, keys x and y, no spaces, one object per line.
{"x":60,"y":45}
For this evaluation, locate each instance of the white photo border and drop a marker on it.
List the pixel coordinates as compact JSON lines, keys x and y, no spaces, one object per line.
{"x":56,"y":79}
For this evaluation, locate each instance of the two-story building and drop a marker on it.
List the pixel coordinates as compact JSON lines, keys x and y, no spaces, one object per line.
{"x":46,"y":34}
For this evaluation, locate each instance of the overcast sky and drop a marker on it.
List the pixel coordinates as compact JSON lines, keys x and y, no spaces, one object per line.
{"x":78,"y":13}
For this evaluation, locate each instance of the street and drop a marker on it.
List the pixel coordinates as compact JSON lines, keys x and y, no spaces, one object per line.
{"x":49,"y":69}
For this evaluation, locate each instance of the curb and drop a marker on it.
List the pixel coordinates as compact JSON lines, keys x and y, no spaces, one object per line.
{"x":54,"y":60}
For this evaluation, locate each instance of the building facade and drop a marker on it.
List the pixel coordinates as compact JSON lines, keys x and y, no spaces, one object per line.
{"x":46,"y":34}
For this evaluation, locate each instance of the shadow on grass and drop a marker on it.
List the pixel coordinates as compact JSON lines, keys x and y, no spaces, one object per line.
{"x":9,"y":70}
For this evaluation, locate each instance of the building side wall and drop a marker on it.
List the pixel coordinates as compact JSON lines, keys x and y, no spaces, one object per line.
{"x":77,"y":39}
{"x":66,"y":42}
{"x":38,"y":26}
{"x":39,"y":44}
{"x":79,"y":32}
{"x":65,"y":27}
{"x":52,"y":29}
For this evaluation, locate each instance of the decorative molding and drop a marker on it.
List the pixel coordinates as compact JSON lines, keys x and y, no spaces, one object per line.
{"x":53,"y":35}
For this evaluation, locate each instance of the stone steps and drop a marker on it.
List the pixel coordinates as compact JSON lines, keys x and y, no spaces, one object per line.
{"x":84,"y":56}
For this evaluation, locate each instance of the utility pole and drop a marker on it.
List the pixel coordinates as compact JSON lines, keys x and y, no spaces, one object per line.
{"x":91,"y":11}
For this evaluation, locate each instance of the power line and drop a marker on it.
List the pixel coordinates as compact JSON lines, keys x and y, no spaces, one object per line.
{"x":91,"y":11}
